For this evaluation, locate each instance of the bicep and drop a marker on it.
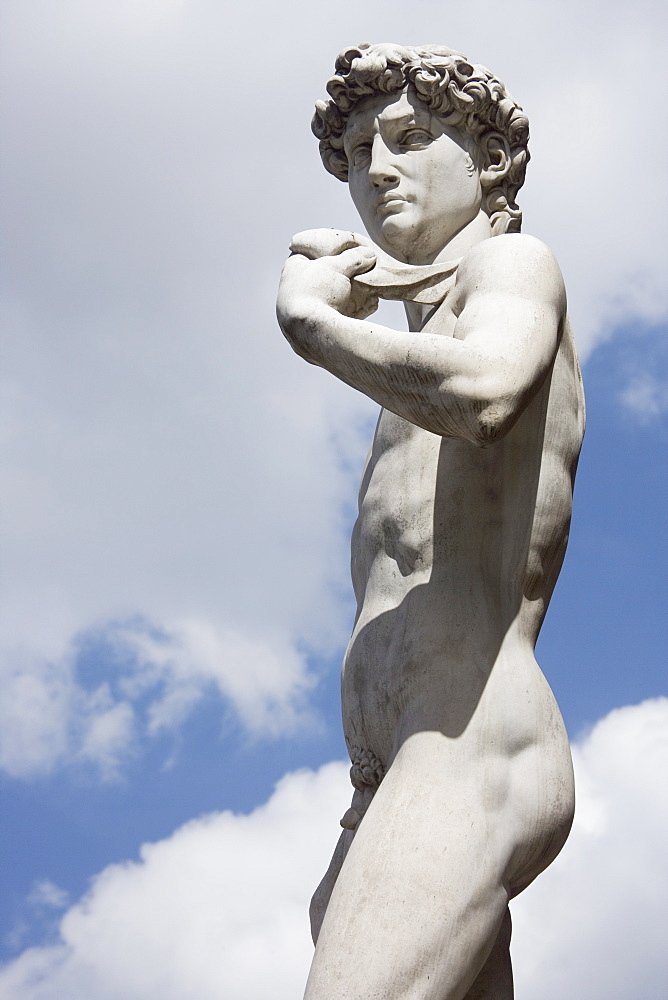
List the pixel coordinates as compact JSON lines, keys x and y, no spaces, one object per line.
{"x":509,"y":337}
{"x":513,"y":337}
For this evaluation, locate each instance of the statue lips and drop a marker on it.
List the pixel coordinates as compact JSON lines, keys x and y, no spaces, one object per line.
{"x":390,"y":202}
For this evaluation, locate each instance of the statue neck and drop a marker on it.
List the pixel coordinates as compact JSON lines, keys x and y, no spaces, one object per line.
{"x":476,"y":231}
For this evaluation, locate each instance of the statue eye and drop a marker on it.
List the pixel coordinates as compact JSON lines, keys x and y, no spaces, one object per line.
{"x":360,"y":156}
{"x":416,"y":138}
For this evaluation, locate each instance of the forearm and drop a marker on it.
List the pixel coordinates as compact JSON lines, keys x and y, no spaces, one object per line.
{"x":436,"y":382}
{"x":472,"y":384}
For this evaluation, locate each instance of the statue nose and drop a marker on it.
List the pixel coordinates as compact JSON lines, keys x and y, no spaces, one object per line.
{"x":382,"y":171}
{"x":384,"y":179}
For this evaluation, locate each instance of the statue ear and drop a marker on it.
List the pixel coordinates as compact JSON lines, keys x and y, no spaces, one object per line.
{"x":496,"y":157}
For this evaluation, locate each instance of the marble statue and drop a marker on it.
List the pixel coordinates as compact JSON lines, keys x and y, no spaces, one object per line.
{"x":462,"y":775}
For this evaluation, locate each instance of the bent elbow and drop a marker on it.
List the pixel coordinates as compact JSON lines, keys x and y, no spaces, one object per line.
{"x":492,"y":422}
{"x":479,"y":410}
{"x":481,"y":424}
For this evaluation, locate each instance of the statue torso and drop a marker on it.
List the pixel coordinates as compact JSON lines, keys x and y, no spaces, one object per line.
{"x":454,"y":557}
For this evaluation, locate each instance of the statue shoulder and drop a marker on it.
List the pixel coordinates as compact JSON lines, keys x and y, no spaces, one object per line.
{"x":513,"y":263}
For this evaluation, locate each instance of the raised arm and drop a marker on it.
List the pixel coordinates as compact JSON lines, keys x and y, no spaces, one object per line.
{"x":510,"y":302}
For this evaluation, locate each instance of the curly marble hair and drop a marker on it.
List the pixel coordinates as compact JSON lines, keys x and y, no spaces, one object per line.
{"x":463,"y":95}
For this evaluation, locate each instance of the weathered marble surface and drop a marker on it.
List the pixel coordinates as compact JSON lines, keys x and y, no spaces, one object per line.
{"x":463,"y":786}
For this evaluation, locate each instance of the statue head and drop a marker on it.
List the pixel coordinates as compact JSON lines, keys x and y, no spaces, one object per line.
{"x":466,"y":105}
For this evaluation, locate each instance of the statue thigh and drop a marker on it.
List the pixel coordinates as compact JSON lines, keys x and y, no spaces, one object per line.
{"x":418,"y":909}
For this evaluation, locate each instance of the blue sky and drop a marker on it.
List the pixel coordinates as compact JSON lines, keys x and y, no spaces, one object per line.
{"x":180,"y":490}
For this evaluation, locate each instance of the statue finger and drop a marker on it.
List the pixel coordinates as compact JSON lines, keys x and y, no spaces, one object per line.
{"x":314,"y":243}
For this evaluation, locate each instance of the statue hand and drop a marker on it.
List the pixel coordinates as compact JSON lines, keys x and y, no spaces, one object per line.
{"x":309,"y":287}
{"x":314,"y":243}
{"x":318,"y":243}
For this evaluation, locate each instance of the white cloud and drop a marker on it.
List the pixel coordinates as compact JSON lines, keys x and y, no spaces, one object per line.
{"x":164,"y":454}
{"x":594,"y":924}
{"x":48,"y":894}
{"x":109,"y":734}
{"x":48,"y":716}
{"x":645,"y":396}
{"x":219,"y":909}
{"x":35,"y":707}
{"x":265,"y":682}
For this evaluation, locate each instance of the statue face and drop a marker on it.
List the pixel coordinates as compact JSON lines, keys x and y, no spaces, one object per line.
{"x":412,"y":179}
